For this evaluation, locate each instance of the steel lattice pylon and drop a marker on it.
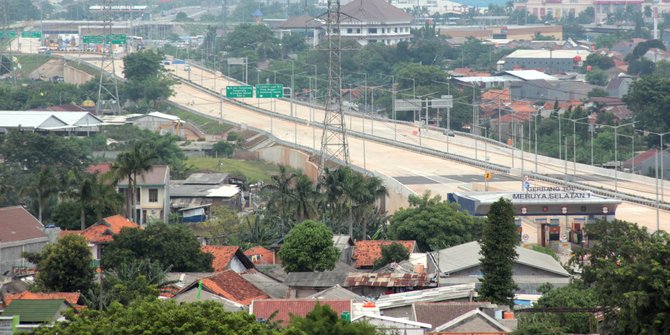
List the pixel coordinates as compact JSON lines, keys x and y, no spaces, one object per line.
{"x":8,"y":53}
{"x":334,"y":146}
{"x":108,"y":89}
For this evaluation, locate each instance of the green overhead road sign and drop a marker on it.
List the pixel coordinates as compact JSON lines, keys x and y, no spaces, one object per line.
{"x":31,"y":34}
{"x":117,"y":38}
{"x":93,"y":39}
{"x":269,"y":91}
{"x":7,"y":34}
{"x":239,"y":91}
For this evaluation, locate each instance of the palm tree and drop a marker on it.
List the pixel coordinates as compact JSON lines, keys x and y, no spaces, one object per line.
{"x":304,"y":199}
{"x":373,"y":190}
{"x":330,"y":185}
{"x":281,"y":199}
{"x":42,"y":185}
{"x":81,"y":190}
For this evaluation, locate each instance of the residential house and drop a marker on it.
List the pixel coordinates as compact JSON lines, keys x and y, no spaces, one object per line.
{"x":613,"y":105}
{"x":619,"y":86}
{"x":260,"y":255}
{"x":273,"y":287}
{"x":549,"y":61}
{"x":509,"y":123}
{"x":229,"y":285}
{"x":193,"y":197}
{"x":152,"y":199}
{"x":36,"y":313}
{"x":374,"y":21}
{"x":71,"y":297}
{"x":283,"y":309}
{"x":391,"y":326}
{"x":337,"y":292}
{"x":99,"y":234}
{"x":367,"y":252}
{"x":401,"y":304}
{"x":550,"y":90}
{"x":645,"y":163}
{"x":303,"y":284}
{"x":19,"y":232}
{"x":461,"y":265}
{"x":626,"y":47}
{"x":228,"y":258}
{"x":308,"y":27}
{"x":460,"y":317}
{"x":392,"y":278}
{"x":159,"y":122}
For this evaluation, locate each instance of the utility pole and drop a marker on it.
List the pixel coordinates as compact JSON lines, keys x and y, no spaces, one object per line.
{"x":108,"y":89}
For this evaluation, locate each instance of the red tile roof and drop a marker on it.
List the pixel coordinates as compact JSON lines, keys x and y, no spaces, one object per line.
{"x":223,"y":254}
{"x":263,"y":309}
{"x":260,"y":255}
{"x":71,"y":297}
{"x":367,"y":252}
{"x":104,"y":230}
{"x":230,"y":285}
{"x":99,"y":168}
{"x":17,"y":224}
{"x":373,"y":279}
{"x":495,"y":95}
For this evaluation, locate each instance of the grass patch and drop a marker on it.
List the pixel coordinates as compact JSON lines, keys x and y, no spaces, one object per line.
{"x":252,"y":170}
{"x":209,"y":126}
{"x":544,"y":250}
{"x":86,"y":67}
{"x":31,"y":62}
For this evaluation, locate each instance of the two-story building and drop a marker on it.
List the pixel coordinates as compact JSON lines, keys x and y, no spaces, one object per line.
{"x":152,"y":196}
{"x":374,"y":21}
{"x":19,"y":232}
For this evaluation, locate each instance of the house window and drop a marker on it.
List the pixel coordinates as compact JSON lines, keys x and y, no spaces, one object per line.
{"x":395,"y":30}
{"x":349,"y":30}
{"x":153,"y":195}
{"x":358,"y":30}
{"x":138,"y":195}
{"x":372,"y":30}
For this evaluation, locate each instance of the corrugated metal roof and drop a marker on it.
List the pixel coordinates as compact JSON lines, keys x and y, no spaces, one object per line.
{"x":335,"y":293}
{"x":11,"y":119}
{"x":530,"y":75}
{"x":554,"y":54}
{"x":35,"y":311}
{"x":465,"y":256}
{"x":443,"y":293}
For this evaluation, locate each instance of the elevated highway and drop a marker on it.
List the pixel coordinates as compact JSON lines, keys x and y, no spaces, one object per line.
{"x":419,"y":161}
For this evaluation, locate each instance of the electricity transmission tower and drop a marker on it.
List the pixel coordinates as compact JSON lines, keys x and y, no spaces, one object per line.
{"x":334,"y":146}
{"x":108,"y":89}
{"x":6,"y":56}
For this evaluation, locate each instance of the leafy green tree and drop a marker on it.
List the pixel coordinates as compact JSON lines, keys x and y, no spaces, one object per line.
{"x":293,"y":43}
{"x":628,"y":269}
{"x":182,"y":17}
{"x":433,"y":223}
{"x":322,"y":320}
{"x":499,"y":240}
{"x":251,"y":39}
{"x":642,"y":48}
{"x":597,"y":92}
{"x":649,"y":98}
{"x":131,"y":165}
{"x":642,"y":67}
{"x":159,"y":317}
{"x":597,"y":77}
{"x":64,"y":266}
{"x":141,"y":65}
{"x":587,"y":16}
{"x":309,"y":247}
{"x":392,"y":253}
{"x":602,"y":62}
{"x":662,"y":69}
{"x":222,"y":228}
{"x":223,"y":148}
{"x":171,"y":245}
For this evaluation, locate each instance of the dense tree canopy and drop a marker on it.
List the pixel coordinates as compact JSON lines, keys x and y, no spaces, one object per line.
{"x":649,"y":97}
{"x":65,"y":266}
{"x":159,"y":317}
{"x":433,"y":223}
{"x":629,"y":269}
{"x":392,"y":253}
{"x":171,"y":245}
{"x":309,"y":247}
{"x":322,"y":320}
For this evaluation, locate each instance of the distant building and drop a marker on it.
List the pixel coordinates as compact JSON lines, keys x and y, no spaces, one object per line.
{"x":619,"y":86}
{"x":645,"y":163}
{"x":549,"y":61}
{"x":228,"y":257}
{"x":159,"y":122}
{"x":374,"y":21}
{"x":101,"y":233}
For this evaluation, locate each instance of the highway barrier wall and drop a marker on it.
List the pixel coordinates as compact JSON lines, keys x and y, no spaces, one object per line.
{"x":290,"y":157}
{"x":75,"y":76}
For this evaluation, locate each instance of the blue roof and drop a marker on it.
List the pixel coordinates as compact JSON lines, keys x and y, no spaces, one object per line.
{"x":257,"y":13}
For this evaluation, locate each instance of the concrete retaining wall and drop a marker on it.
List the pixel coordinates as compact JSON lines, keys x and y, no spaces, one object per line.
{"x":290,"y":157}
{"x":75,"y":76}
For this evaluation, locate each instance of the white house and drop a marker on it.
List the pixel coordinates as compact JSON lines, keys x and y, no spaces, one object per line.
{"x":152,"y":199}
{"x":391,"y":325}
{"x":374,"y":21}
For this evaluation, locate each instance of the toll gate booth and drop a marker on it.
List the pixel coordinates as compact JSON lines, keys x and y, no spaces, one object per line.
{"x":559,"y":214}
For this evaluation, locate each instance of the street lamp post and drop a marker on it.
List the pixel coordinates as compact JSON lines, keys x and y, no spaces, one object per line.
{"x":413,"y":94}
{"x":535,"y":128}
{"x":660,"y":136}
{"x":616,"y":155}
{"x":221,"y":103}
{"x":574,"y":146}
